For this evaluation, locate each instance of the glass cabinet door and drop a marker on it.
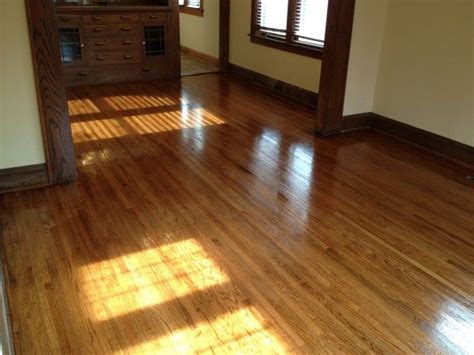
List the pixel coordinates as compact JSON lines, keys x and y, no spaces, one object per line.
{"x":155,"y":40}
{"x":71,"y":45}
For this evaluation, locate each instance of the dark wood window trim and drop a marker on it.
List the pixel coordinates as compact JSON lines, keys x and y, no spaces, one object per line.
{"x":285,"y":44}
{"x":185,"y":9}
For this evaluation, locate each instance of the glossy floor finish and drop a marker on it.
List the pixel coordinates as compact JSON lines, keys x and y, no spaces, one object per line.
{"x":208,"y":218}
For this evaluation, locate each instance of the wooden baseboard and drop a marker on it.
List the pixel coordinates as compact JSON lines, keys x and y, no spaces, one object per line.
{"x":435,"y":143}
{"x":438,"y":144}
{"x":356,"y":122}
{"x":23,"y":178}
{"x":290,"y":91}
{"x":199,"y":55}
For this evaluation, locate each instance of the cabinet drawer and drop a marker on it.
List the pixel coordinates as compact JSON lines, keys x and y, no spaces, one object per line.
{"x":113,"y":30}
{"x":118,"y":57}
{"x":117,"y":43}
{"x":154,"y":17}
{"x":112,"y":18}
{"x":66,"y":19}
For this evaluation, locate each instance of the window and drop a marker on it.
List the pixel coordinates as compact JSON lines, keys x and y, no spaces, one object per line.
{"x":193,"y":7}
{"x":294,"y":25}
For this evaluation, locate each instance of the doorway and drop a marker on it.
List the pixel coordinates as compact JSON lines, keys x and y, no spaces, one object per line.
{"x":200,"y":35}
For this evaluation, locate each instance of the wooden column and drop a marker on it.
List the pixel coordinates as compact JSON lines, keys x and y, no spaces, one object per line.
{"x":334,"y":68}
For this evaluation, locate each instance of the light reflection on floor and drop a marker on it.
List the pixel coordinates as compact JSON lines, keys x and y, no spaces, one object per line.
{"x":158,"y":281}
{"x":456,"y":325}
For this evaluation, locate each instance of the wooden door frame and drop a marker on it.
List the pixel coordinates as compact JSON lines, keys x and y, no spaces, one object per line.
{"x":50,"y":85}
{"x":335,"y":63}
{"x":51,"y":92}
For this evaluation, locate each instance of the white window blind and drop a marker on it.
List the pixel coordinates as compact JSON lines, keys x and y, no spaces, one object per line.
{"x":272,"y":16}
{"x":194,"y":3}
{"x":310,"y":21}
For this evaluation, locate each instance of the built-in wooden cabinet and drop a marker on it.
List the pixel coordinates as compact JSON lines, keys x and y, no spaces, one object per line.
{"x":104,"y":44}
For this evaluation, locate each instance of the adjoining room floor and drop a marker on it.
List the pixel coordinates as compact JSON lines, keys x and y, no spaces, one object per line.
{"x":191,"y":65}
{"x":208,"y":218}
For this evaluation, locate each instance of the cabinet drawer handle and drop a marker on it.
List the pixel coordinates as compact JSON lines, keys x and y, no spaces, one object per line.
{"x":101,"y":57}
{"x":65,"y":18}
{"x":125,"y":17}
{"x":126,"y":29}
{"x":83,"y":73}
{"x":153,"y":17}
{"x":99,"y":43}
{"x":98,"y":29}
{"x":97,"y":18}
{"x":127,"y":42}
{"x":128,"y":56}
{"x":147,"y":69}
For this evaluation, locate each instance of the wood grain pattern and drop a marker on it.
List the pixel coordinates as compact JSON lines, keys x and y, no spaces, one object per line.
{"x":51,"y":92}
{"x":207,"y":217}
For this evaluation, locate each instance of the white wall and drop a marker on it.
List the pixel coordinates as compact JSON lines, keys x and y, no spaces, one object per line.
{"x":426,"y":69}
{"x":202,"y":33}
{"x":292,"y":68}
{"x":20,"y":131}
{"x":412,"y":61}
{"x":366,"y":45}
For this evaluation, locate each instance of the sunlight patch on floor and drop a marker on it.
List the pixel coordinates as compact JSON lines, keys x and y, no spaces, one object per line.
{"x":82,"y":107}
{"x":143,"y":124}
{"x":240,"y":332}
{"x":132,"y":282}
{"x":139,"y":101}
{"x":178,"y":299}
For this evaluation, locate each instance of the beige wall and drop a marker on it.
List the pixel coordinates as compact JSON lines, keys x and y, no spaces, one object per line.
{"x":202,"y":33}
{"x":20,"y":132}
{"x":367,"y":36}
{"x":288,"y":67}
{"x":426,"y":69}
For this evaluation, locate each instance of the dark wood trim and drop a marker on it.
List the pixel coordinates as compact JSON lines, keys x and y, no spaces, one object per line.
{"x":115,"y":8}
{"x":448,"y":148}
{"x":334,"y":68}
{"x":278,"y":87}
{"x":192,"y":11}
{"x":51,"y":92}
{"x":435,"y":143}
{"x":23,"y":178}
{"x":202,"y":56}
{"x":224,"y":35}
{"x":356,"y":122}
{"x":313,"y":52}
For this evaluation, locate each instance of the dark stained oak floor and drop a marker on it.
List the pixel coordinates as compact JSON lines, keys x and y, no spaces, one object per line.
{"x":208,"y":218}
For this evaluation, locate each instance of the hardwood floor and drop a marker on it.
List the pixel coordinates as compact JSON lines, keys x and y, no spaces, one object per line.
{"x":208,"y":218}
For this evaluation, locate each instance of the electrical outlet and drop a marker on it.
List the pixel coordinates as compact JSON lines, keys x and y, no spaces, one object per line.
{"x":361,"y":100}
